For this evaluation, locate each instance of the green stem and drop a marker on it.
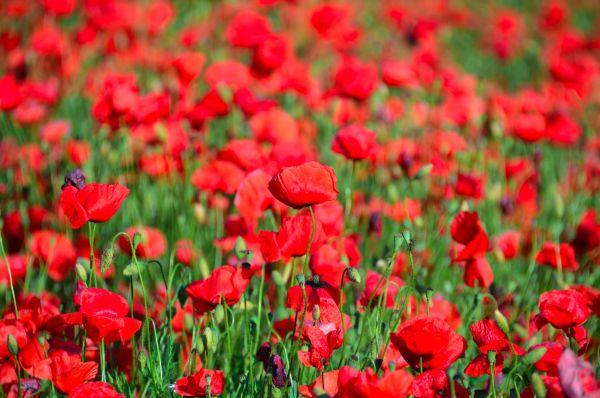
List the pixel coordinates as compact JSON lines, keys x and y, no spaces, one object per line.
{"x":102,"y":360}
{"x":10,"y":281}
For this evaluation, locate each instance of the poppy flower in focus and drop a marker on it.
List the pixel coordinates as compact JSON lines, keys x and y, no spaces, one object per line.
{"x":92,"y":202}
{"x":226,"y":283}
{"x":103,"y":315}
{"x":308,"y":184}
{"x":563,"y":309}
{"x":197,"y":384}
{"x":354,"y":142}
{"x":428,"y":342}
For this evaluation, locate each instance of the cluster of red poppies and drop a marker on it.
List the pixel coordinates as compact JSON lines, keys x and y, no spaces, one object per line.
{"x":345,"y":199}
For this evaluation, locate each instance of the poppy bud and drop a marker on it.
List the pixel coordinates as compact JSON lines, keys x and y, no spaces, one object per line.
{"x":210,"y":339}
{"x":199,"y":346}
{"x":502,"y":322}
{"x":200,"y":213}
{"x":429,"y":294}
{"x":142,"y":359}
{"x":559,"y":206}
{"x":219,"y":314}
{"x":424,"y":171}
{"x":538,"y":385}
{"x":11,"y":343}
{"x":107,"y":258}
{"x":277,"y":278}
{"x":278,"y":371}
{"x":240,"y":248}
{"x":81,"y":271}
{"x":137,"y":239}
{"x":316,"y":313}
{"x":533,"y":356}
{"x":353,"y":274}
{"x":75,"y":178}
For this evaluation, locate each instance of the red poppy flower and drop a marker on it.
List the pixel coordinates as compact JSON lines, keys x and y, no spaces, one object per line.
{"x":428,"y":342}
{"x":488,"y":337}
{"x":429,"y":383}
{"x":466,"y":229}
{"x":563,"y":309}
{"x":295,"y":233}
{"x":196,"y":384}
{"x":469,"y":185}
{"x":372,"y":296}
{"x":309,"y":184}
{"x":68,"y":371}
{"x":508,"y":243}
{"x":96,"y":389}
{"x":253,"y":197}
{"x":103,"y":315}
{"x":353,"y":383}
{"x":152,"y":244}
{"x":94,"y":202}
{"x":324,"y":339}
{"x":354,"y":142}
{"x":224,"y":283}
{"x":327,"y":382}
{"x":548,"y":256}
{"x":56,"y":251}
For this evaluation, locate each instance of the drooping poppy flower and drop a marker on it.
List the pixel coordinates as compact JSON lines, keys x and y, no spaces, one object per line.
{"x":466,"y":229}
{"x":92,"y":202}
{"x":428,"y":342}
{"x":309,"y":184}
{"x":548,"y":256}
{"x":354,"y":142}
{"x":96,"y":389}
{"x":197,"y":384}
{"x":226,"y":283}
{"x":478,"y":273}
{"x":563,"y":309}
{"x":103,"y":314}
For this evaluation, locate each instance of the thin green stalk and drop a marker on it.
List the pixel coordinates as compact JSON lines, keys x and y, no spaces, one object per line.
{"x":10,"y":281}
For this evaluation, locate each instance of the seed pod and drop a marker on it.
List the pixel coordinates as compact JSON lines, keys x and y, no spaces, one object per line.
{"x":353,"y":274}
{"x":300,"y":279}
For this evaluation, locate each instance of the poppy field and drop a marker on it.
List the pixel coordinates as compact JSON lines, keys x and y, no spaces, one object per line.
{"x":300,"y":198}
